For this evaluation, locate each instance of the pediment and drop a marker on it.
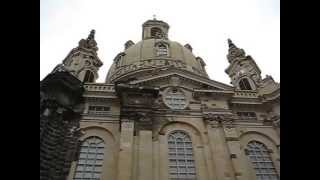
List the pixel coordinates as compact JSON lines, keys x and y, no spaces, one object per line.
{"x":183,"y":79}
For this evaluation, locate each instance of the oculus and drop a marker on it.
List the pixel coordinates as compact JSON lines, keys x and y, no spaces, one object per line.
{"x":175,"y":99}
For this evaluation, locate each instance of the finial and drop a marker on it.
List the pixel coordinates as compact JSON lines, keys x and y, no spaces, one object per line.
{"x":230,"y":43}
{"x":90,"y":42}
{"x":154,"y":17}
{"x":91,"y":35}
{"x":235,"y":52}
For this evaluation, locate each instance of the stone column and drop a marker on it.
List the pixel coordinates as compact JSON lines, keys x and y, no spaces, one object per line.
{"x":199,"y":157}
{"x":145,"y":155}
{"x":125,"y":167}
{"x":220,"y":152}
{"x":236,"y":153}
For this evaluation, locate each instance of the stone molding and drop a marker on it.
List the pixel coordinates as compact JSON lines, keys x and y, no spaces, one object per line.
{"x":219,"y":119}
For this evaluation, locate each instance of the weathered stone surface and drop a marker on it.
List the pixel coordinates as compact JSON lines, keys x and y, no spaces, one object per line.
{"x":150,"y":92}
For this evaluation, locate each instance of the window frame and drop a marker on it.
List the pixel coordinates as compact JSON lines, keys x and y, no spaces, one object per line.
{"x":162,"y":49}
{"x":181,"y":159}
{"x":86,"y":156}
{"x":247,"y":115}
{"x":99,"y":109}
{"x":156,"y":33}
{"x":245,"y":85}
{"x":88,"y":77}
{"x":259,"y":158}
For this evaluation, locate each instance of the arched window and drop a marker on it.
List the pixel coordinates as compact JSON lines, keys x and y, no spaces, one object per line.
{"x":244,"y":84}
{"x":156,"y":32}
{"x":89,"y":76}
{"x":261,"y":161}
{"x":90,"y":161}
{"x":162,"y":49}
{"x":181,"y":162}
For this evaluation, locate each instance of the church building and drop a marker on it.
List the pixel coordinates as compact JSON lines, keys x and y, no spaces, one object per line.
{"x":159,"y":116}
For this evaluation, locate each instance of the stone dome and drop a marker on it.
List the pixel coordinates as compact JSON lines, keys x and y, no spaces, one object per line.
{"x":152,"y":53}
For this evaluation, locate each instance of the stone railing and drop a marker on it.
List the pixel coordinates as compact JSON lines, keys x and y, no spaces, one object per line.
{"x":99,"y":87}
{"x":245,"y":94}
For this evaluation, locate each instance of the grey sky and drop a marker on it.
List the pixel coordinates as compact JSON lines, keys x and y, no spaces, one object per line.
{"x":253,"y":25}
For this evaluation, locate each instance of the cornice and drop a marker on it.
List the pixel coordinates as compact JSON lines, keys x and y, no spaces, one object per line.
{"x":187,"y":75}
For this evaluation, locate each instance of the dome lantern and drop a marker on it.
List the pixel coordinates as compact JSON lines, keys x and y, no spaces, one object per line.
{"x":155,"y":29}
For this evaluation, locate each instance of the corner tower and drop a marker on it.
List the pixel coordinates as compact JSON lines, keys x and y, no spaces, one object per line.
{"x":83,"y":61}
{"x":243,"y":71}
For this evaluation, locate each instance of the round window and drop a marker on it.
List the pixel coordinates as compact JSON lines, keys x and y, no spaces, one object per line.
{"x":174,"y":98}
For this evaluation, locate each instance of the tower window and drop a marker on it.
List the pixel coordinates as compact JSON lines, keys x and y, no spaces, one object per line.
{"x":89,"y":76}
{"x":261,"y":160}
{"x":118,"y":59}
{"x":247,"y":115}
{"x":244,"y":84}
{"x":181,"y":162}
{"x":162,"y":50}
{"x":156,"y":33}
{"x":99,"y":109}
{"x":90,"y":161}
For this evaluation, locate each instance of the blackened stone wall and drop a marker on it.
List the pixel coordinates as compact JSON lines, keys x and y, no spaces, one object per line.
{"x":60,"y":109}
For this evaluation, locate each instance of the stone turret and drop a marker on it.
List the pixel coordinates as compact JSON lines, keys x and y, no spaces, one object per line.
{"x":243,"y":71}
{"x":83,"y":61}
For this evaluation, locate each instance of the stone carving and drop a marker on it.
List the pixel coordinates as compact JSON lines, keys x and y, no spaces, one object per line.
{"x":60,"y":68}
{"x":188,"y":46}
{"x":235,"y":52}
{"x":256,"y":78}
{"x":158,"y":103}
{"x":139,"y":99}
{"x":59,"y":123}
{"x":217,"y":119}
{"x":175,"y":81}
{"x":128,"y":44}
{"x":271,"y":119}
{"x":276,"y":120}
{"x":148,"y":63}
{"x":128,"y":125}
{"x":90,"y":42}
{"x":142,"y":120}
{"x":159,"y":35}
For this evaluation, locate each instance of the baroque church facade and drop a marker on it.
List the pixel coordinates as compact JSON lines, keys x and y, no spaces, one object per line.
{"x":159,"y":116}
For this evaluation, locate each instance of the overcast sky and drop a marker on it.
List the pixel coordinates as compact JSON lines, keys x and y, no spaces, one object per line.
{"x":253,"y":25}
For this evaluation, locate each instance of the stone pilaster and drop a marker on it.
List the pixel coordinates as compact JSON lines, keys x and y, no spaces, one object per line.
{"x":125,"y":164}
{"x":145,"y":155}
{"x":156,"y":160}
{"x":236,"y":153}
{"x":220,"y":152}
{"x":276,"y":123}
{"x":209,"y":161}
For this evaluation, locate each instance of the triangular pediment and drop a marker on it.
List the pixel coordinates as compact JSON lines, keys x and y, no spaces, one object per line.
{"x":181,"y":78}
